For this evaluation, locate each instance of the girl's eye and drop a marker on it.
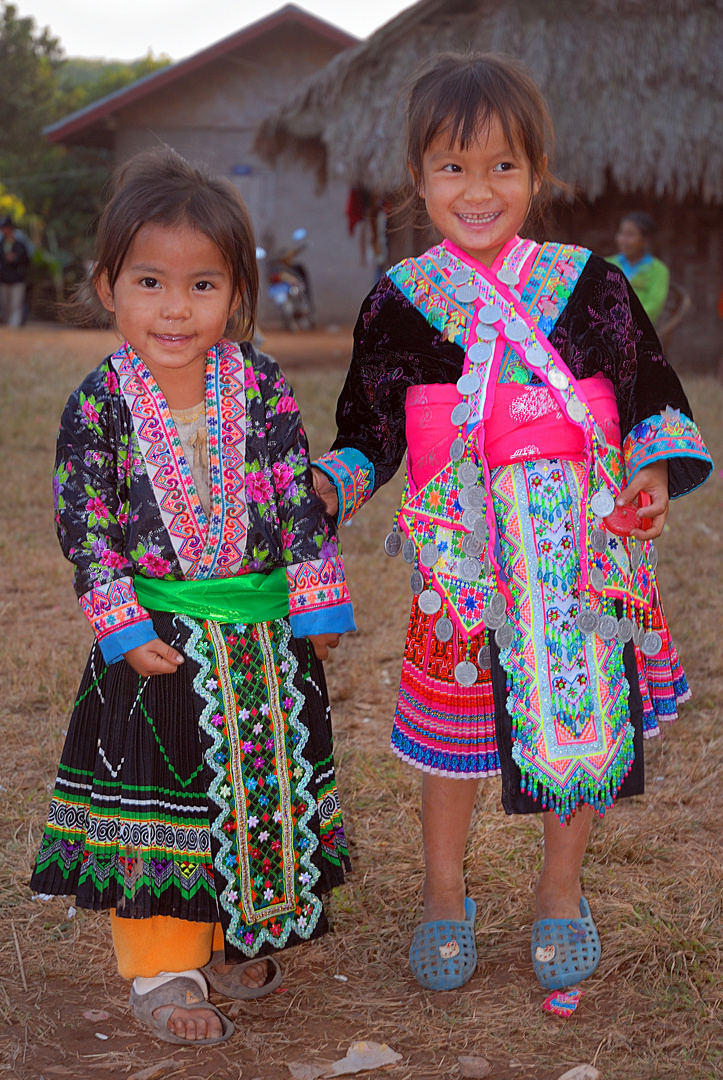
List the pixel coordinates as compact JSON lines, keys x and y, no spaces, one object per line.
{"x":203,"y":286}
{"x":504,"y":166}
{"x":149,"y":282}
{"x":452,"y":167}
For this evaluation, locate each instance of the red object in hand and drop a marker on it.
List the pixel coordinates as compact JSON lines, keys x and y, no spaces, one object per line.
{"x":624,"y":519}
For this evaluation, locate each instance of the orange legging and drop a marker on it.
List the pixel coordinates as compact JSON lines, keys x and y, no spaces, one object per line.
{"x":145,"y":947}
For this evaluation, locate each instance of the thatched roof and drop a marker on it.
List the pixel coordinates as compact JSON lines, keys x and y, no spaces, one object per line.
{"x":635,"y":89}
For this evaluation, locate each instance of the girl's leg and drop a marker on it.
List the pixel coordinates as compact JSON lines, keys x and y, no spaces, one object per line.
{"x":558,"y":890}
{"x":447,"y":806}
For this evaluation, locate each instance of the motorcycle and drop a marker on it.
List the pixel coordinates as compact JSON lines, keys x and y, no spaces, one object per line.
{"x":288,"y":284}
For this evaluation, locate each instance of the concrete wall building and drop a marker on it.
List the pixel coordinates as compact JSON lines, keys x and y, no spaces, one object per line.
{"x":209,"y":107}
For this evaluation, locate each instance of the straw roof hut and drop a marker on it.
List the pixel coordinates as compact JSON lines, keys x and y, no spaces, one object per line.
{"x":634,"y":88}
{"x":636,"y":97}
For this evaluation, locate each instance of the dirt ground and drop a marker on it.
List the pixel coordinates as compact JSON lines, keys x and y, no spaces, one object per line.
{"x":653,"y":872}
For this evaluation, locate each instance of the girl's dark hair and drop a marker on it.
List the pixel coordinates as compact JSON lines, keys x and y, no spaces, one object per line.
{"x":645,"y":222}
{"x":160,"y":187}
{"x":459,"y":94}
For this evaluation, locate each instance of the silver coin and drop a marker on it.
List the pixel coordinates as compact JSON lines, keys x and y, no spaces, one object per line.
{"x":597,"y":579}
{"x":485,"y":332}
{"x":472,"y":546}
{"x":505,"y":635}
{"x":507,"y":275}
{"x":638,"y":634}
{"x":466,"y":294}
{"x":456,"y":450}
{"x":607,"y":627}
{"x":429,"y":555}
{"x":393,"y":543}
{"x":480,"y":352}
{"x":430,"y":602}
{"x":516,"y":330}
{"x":409,"y":551}
{"x":480,"y":529}
{"x":416,"y":582}
{"x":443,"y":258}
{"x":576,"y":410}
{"x":652,"y":643}
{"x":466,"y":673}
{"x":470,"y":569}
{"x":497,"y":604}
{"x":652,"y":557}
{"x":463,"y":498}
{"x":516,"y":293}
{"x":587,"y":621}
{"x":476,"y":497}
{"x":558,"y":379}
{"x":484,"y":658}
{"x":492,"y":313}
{"x":487,"y":563}
{"x":468,"y":384}
{"x":493,"y":620}
{"x":602,"y":503}
{"x":459,"y":277}
{"x":536,"y":356}
{"x":443,"y":629}
{"x":600,"y":435}
{"x":636,"y":558}
{"x":625,"y":629}
{"x":460,"y":414}
{"x":470,"y":518}
{"x":468,"y":473}
{"x":598,"y":540}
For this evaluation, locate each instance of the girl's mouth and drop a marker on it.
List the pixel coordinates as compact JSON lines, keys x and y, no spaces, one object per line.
{"x":172,"y":339}
{"x":479,"y":219}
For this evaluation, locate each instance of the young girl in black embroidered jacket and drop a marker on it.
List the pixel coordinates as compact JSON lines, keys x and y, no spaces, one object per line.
{"x":196,"y":799}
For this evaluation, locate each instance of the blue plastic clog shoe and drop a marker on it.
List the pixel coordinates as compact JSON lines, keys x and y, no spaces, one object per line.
{"x":443,"y":954}
{"x":565,"y":951}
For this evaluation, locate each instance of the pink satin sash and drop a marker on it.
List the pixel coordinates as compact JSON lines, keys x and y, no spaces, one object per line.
{"x":526,"y":424}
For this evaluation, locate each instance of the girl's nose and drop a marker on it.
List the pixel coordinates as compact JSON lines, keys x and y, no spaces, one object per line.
{"x":478,"y":187}
{"x":175,"y":305}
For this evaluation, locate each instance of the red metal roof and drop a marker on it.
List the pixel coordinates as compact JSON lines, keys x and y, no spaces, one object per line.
{"x":63,"y":130}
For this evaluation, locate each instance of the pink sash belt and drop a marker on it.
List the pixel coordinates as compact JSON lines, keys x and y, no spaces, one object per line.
{"x":526,"y":424}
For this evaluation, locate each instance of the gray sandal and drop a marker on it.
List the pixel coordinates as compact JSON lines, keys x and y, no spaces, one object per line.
{"x":180,"y":993}
{"x":230,"y":984}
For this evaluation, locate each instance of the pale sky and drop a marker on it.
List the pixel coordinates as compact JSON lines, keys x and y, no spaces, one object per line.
{"x":126,"y":29}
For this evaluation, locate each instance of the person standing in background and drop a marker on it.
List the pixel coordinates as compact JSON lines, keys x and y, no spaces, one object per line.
{"x":649,"y":277}
{"x":14,"y":262}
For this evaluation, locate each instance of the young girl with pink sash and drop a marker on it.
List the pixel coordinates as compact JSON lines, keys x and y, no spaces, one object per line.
{"x":537,"y":412}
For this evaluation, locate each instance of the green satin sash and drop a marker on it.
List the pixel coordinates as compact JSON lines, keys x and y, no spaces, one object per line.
{"x":248,"y":598}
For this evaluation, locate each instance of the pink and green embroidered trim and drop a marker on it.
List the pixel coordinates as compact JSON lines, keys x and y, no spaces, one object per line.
{"x":319,"y":600}
{"x":352,"y":474}
{"x":669,"y":434}
{"x":118,"y":620}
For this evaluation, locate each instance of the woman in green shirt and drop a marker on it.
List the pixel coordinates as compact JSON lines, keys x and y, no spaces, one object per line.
{"x":649,"y":277}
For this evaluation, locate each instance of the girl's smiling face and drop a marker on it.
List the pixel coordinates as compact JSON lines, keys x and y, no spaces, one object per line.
{"x":171,"y":300}
{"x":478,"y":197}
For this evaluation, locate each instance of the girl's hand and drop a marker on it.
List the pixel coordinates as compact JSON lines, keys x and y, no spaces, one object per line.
{"x":154,"y":658}
{"x":327,"y":493}
{"x":653,"y":479}
{"x":322,"y":643}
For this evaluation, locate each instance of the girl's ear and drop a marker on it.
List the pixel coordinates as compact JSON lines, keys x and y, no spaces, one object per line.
{"x":537,"y":177}
{"x":417,"y":185}
{"x":235,"y":302}
{"x":104,"y":291}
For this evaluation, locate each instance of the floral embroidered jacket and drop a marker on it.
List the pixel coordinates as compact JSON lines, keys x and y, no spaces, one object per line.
{"x":126,"y":503}
{"x":602,"y":328}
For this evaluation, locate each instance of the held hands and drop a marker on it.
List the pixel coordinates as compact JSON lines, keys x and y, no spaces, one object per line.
{"x":154,"y":658}
{"x":653,"y":479}
{"x":322,"y":643}
{"x":327,"y":493}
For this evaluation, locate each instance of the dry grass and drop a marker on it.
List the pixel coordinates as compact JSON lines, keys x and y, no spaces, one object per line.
{"x":653,"y":871}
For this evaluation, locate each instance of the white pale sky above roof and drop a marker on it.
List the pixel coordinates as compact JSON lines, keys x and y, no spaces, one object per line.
{"x":126,"y":29}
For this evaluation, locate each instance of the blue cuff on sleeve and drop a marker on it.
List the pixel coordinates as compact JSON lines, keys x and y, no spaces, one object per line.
{"x":332,"y":620}
{"x":114,"y":645}
{"x":352,"y":474}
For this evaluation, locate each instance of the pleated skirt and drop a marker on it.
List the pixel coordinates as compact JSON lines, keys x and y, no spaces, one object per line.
{"x":208,"y":794}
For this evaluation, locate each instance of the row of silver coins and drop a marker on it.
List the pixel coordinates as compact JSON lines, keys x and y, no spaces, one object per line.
{"x":624,"y":629}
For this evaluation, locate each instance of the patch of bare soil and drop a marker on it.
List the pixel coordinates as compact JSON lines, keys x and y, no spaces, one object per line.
{"x":653,"y":871}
